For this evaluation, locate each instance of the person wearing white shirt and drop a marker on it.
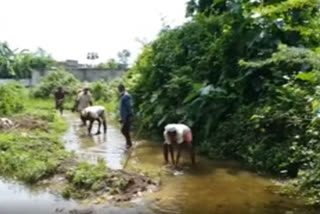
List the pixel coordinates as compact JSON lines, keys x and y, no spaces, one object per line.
{"x":178,"y":134}
{"x":84,"y":99}
{"x":94,"y":113}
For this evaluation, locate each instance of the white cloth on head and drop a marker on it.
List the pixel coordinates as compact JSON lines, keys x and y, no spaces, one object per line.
{"x":180,"y":129}
{"x":93,"y":112}
{"x":84,"y":100}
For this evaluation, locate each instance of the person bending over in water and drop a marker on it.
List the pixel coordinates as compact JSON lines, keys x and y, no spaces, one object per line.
{"x":180,"y":135}
{"x":93,"y":113}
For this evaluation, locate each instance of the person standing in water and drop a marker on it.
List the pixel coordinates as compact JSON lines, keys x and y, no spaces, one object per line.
{"x":59,"y":96}
{"x":180,"y":135}
{"x":84,"y":99}
{"x":125,"y":114}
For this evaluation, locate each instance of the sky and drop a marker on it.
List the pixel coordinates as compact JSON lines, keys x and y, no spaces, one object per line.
{"x":69,"y":29}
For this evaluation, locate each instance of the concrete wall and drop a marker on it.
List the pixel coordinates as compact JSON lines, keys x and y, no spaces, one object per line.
{"x":36,"y":76}
{"x":25,"y":82}
{"x":92,"y":75}
{"x":83,"y":74}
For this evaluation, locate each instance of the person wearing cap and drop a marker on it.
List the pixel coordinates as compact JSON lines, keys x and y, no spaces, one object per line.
{"x":84,"y":99}
{"x":94,"y":113}
{"x":125,"y":113}
{"x":179,"y":135}
{"x":59,"y":96}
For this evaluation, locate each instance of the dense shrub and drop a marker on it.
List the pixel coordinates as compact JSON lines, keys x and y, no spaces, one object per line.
{"x":55,"y":79}
{"x":11,"y":98}
{"x":103,"y":91}
{"x":243,"y":75}
{"x":234,"y":75}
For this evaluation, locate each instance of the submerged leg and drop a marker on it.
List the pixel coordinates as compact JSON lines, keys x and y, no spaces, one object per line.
{"x":126,"y":132}
{"x":165,"y":153}
{"x":192,"y":153}
{"x":90,"y":126}
{"x":99,"y":126}
{"x":178,"y":154}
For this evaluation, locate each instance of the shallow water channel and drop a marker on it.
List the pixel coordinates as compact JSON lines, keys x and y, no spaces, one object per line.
{"x":211,"y":187}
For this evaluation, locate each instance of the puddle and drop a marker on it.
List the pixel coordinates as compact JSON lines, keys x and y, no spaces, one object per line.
{"x":110,"y":147}
{"x":19,"y":199}
{"x":211,"y":187}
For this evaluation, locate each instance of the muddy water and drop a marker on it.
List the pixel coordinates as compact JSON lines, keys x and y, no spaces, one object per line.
{"x":110,"y":147}
{"x":210,"y":187}
{"x":18,"y":199}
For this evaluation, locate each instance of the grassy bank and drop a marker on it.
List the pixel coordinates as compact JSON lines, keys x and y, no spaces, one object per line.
{"x":32,"y":152}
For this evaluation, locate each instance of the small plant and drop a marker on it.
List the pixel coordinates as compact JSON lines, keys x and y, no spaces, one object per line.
{"x":11,"y":98}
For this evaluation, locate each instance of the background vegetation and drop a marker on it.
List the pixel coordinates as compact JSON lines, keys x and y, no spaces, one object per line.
{"x":54,"y":79}
{"x":244,"y":75}
{"x":14,"y":64}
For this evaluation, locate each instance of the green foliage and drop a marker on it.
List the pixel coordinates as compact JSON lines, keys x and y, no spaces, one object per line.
{"x":31,"y":158}
{"x":19,"y":65}
{"x":56,"y":78}
{"x":87,"y":178}
{"x":118,"y":64}
{"x":11,"y":98}
{"x":85,"y":174}
{"x":110,"y":64}
{"x":32,"y":155}
{"x":106,"y":94}
{"x":101,"y":91}
{"x":243,"y":75}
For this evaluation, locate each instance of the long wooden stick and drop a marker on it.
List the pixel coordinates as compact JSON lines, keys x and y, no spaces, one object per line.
{"x":132,"y":148}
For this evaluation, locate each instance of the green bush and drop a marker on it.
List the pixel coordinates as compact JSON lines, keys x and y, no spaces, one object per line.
{"x":53,"y":80}
{"x":87,"y":178}
{"x":12,"y":98}
{"x":243,"y":84}
{"x":103,"y":91}
{"x":30,"y":158}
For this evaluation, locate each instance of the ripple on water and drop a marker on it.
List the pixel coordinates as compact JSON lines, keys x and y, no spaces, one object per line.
{"x":219,"y":187}
{"x":110,"y":147}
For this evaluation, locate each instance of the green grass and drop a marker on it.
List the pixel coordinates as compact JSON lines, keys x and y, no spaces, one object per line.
{"x":31,"y":155}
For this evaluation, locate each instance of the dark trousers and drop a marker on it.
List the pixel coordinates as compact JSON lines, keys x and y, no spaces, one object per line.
{"x":125,"y":129}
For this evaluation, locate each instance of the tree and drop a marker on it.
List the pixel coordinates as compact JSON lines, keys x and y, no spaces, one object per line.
{"x":120,"y":64}
{"x":14,"y":64}
{"x":123,"y":57}
{"x":110,"y":64}
{"x":231,"y":61}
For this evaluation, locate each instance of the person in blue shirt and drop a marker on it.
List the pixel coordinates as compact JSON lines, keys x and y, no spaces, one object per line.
{"x":125,"y":113}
